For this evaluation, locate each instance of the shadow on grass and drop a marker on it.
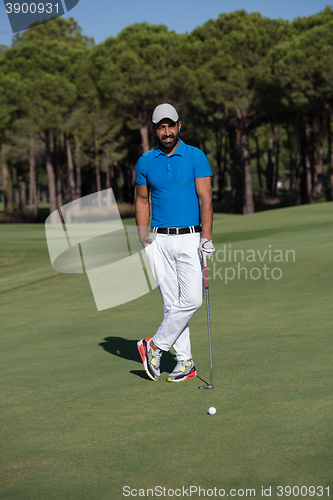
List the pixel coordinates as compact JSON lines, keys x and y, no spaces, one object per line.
{"x":127,"y":349}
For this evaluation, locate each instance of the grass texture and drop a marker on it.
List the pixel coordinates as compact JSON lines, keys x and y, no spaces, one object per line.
{"x":80,"y":420}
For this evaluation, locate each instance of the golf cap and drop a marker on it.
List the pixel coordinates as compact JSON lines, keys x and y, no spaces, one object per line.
{"x":164,"y":111}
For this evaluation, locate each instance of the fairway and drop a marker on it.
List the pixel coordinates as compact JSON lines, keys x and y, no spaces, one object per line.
{"x":80,"y":419}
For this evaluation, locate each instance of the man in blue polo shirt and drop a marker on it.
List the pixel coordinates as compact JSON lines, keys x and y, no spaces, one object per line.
{"x":178,"y":177}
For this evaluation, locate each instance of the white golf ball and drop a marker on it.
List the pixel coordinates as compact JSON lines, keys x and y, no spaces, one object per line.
{"x":212,"y":410}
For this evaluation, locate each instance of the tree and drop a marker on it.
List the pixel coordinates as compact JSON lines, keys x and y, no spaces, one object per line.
{"x":241,"y":82}
{"x":134,"y":71}
{"x":59,"y":30}
{"x":46,"y":59}
{"x":11,"y":86}
{"x":228,"y":53}
{"x":299,"y":84}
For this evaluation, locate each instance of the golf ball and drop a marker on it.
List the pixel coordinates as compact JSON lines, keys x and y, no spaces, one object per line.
{"x":212,"y":410}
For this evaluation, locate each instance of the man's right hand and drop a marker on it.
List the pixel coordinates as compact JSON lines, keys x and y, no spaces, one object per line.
{"x":142,"y":213}
{"x":145,"y":240}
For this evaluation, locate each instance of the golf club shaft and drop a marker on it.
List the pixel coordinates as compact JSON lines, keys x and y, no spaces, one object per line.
{"x":208,"y":320}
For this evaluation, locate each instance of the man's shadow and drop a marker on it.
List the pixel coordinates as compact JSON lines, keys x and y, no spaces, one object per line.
{"x":127,"y":349}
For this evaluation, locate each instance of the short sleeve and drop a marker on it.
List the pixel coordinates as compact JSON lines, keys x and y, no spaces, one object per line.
{"x":201,"y":165}
{"x":141,"y":172}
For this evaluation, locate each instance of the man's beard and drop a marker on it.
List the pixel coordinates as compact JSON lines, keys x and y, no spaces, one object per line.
{"x":169,"y":145}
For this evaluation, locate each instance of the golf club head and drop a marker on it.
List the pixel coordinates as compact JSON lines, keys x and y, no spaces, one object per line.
{"x":208,"y":386}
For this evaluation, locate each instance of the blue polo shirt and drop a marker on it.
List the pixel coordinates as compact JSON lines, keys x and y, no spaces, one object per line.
{"x":172,"y":183}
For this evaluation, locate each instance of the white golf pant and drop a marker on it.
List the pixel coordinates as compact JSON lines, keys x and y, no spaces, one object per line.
{"x":176,"y":266}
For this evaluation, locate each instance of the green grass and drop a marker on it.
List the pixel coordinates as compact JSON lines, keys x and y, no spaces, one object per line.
{"x":79,"y":418}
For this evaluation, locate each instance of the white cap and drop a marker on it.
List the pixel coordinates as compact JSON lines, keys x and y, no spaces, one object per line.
{"x":164,"y":111}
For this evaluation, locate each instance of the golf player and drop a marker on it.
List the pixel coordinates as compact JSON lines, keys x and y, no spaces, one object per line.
{"x":178,"y":177}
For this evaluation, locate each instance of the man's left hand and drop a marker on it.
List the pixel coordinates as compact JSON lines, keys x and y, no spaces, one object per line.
{"x":206,"y":249}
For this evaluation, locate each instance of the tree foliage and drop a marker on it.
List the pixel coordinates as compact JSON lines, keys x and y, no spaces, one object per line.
{"x":254,"y":93}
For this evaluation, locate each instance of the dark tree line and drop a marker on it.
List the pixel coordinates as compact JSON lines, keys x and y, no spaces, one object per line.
{"x":255,"y":94}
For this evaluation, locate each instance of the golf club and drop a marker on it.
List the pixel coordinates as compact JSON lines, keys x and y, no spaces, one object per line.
{"x":211,"y":385}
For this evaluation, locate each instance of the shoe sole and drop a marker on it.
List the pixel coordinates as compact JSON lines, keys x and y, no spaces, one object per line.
{"x":143,"y":356}
{"x":192,"y":374}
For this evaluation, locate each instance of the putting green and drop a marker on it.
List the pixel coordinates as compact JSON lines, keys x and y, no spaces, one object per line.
{"x":80,"y":420}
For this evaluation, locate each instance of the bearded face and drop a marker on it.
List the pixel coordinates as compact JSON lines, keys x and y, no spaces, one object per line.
{"x":167,"y":133}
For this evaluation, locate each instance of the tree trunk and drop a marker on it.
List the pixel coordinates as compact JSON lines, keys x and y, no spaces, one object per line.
{"x":231,"y":163}
{"x":58,"y":173}
{"x":144,"y":132}
{"x":122,"y":183}
{"x":133,"y":186}
{"x":248,"y":204}
{"x":330,"y":149}
{"x":144,"y":138}
{"x":50,"y":173}
{"x":236,"y":168}
{"x":291,"y":162}
{"x":78,"y":166}
{"x":308,"y":174}
{"x":71,"y":180}
{"x":97,"y":166}
{"x":225,"y":163}
{"x":311,"y":157}
{"x":277,"y":156}
{"x":108,"y":177}
{"x":22,"y":196}
{"x":6,"y":183}
{"x":304,"y":174}
{"x":114,"y":179}
{"x":261,"y":189}
{"x":33,"y":203}
{"x":44,"y":196}
{"x":270,"y":165}
{"x":218,"y":158}
{"x":108,"y":185}
{"x":297,"y":171}
{"x":319,"y":160}
{"x":126,"y":180}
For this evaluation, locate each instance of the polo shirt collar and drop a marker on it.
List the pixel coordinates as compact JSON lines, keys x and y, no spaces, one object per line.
{"x":178,"y":152}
